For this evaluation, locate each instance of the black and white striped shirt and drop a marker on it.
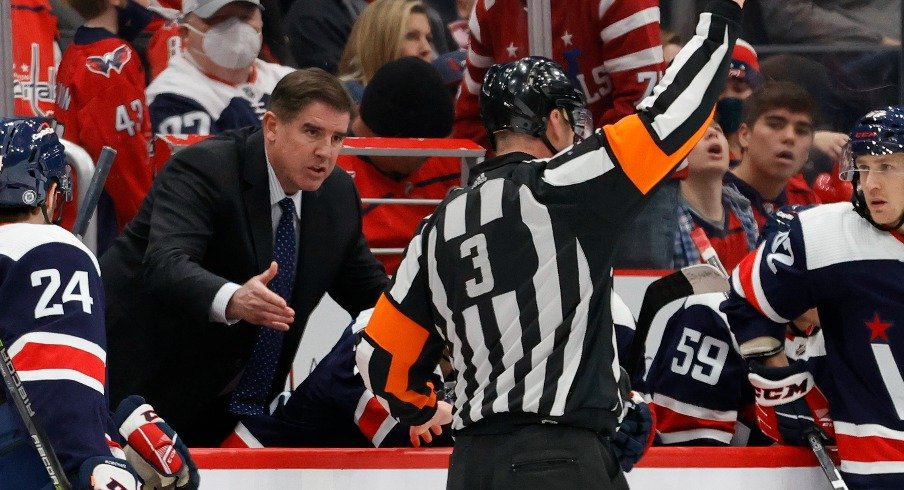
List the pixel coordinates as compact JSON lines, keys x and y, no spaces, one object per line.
{"x":514,"y":271}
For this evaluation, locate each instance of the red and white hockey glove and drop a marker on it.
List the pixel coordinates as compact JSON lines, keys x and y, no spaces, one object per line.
{"x":106,"y":472}
{"x":635,"y":434}
{"x":789,"y":404}
{"x":154,"y":448}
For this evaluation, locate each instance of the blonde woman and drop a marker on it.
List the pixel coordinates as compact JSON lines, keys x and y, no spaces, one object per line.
{"x":385,"y":31}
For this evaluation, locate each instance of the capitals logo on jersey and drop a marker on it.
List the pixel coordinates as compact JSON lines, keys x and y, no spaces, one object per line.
{"x":113,"y":61}
{"x":28,"y":86}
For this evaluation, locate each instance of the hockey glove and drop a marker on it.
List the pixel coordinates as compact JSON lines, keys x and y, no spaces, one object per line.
{"x":635,"y":434}
{"x":789,"y":404}
{"x":106,"y":472}
{"x":154,"y":448}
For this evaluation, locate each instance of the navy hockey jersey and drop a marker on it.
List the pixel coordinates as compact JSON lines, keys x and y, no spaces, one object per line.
{"x":183,"y":100}
{"x":832,"y":259}
{"x":52,"y":322}
{"x":330,"y":408}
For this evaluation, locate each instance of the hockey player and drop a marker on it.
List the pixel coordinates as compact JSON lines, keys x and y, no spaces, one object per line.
{"x":513,"y":271}
{"x":52,"y":324}
{"x":846,"y":260}
{"x":100,"y":101}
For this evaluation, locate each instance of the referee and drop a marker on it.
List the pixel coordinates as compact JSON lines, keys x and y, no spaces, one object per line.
{"x":513,"y":272}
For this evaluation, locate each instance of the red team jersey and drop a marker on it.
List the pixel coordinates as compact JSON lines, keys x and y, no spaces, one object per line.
{"x":100,"y":101}
{"x":610,"y":48}
{"x":393,"y":225}
{"x":35,"y":57}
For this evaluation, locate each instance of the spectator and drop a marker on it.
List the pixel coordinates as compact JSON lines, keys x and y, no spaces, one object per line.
{"x":405,"y":99}
{"x":318,"y":30}
{"x":612,"y":52}
{"x":385,"y":31}
{"x":720,"y":211}
{"x":832,"y":22}
{"x":218,"y":83}
{"x":610,"y":49}
{"x":743,"y":76}
{"x":35,"y":57}
{"x":671,"y":44}
{"x":187,"y":283}
{"x":513,"y":271}
{"x":776,"y":135}
{"x":100,"y":102}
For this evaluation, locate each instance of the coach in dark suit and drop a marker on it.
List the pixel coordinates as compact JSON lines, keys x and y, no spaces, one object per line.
{"x":191,"y":322}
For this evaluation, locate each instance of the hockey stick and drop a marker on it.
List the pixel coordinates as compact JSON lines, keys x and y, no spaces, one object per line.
{"x":38,"y":437}
{"x":828,"y":467}
{"x":704,"y":246}
{"x":693,"y":279}
{"x":83,"y":215}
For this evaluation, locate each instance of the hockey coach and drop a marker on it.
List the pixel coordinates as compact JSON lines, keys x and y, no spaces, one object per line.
{"x":514,"y":273}
{"x":211,"y":285}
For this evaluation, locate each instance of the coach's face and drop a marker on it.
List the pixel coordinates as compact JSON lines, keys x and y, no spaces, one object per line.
{"x":303,"y":149}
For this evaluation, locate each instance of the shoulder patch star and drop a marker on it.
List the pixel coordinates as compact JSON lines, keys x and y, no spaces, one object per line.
{"x":512,"y":50}
{"x":878,"y":328}
{"x":566,"y":38}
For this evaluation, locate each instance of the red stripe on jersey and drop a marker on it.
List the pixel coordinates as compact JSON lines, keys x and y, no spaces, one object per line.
{"x":745,"y":274}
{"x":373,"y":417}
{"x":668,"y":420}
{"x":869,"y":449}
{"x":36,"y":356}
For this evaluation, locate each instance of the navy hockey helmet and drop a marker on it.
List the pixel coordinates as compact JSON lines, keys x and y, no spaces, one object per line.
{"x":879,"y":132}
{"x":31,"y":157}
{"x":519,"y":96}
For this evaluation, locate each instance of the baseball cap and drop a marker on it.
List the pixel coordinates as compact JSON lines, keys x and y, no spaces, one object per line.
{"x":206,"y":8}
{"x":451,"y":67}
{"x":745,"y":64}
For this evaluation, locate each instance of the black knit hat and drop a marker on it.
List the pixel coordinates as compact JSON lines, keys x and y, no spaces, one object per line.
{"x":407,"y":98}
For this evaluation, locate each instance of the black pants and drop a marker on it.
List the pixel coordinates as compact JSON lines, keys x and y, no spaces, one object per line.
{"x":535,"y":456}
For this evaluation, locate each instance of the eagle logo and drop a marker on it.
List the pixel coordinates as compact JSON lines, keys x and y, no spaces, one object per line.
{"x":112,"y":61}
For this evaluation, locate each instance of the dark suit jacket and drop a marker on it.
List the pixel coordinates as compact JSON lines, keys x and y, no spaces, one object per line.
{"x":206,"y":221}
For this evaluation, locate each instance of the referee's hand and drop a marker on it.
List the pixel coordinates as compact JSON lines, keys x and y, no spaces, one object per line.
{"x":443,"y":416}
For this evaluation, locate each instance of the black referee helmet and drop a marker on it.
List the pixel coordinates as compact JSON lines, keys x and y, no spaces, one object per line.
{"x":519,"y":96}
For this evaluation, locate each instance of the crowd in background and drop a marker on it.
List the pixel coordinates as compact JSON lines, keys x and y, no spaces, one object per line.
{"x":118,"y":72}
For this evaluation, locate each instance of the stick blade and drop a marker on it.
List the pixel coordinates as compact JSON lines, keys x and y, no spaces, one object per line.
{"x":704,"y":278}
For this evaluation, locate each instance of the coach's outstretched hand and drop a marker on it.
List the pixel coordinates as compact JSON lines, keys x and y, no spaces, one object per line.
{"x":257,"y":304}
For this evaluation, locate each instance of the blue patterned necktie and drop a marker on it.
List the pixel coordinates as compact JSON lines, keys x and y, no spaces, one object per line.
{"x":250,"y":397}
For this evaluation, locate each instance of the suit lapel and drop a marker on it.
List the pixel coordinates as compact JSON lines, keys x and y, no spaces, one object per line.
{"x":256,"y":198}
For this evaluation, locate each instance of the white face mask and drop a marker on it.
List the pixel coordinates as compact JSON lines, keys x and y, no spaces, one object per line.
{"x":231,"y":44}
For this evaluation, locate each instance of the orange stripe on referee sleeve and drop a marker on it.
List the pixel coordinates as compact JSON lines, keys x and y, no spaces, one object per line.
{"x":640,"y":157}
{"x":404,"y":340}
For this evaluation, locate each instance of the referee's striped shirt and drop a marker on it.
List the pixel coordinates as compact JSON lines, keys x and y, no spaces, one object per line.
{"x":514,"y":271}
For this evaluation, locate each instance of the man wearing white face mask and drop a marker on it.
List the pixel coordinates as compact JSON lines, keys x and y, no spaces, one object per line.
{"x":217,"y":83}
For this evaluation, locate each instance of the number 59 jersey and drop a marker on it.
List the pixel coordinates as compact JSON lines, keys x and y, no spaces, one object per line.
{"x":52,"y":324}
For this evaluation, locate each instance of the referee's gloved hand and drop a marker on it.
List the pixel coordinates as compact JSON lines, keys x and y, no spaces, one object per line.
{"x":635,"y":433}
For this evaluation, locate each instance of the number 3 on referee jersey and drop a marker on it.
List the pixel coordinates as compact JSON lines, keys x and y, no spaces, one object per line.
{"x":475,"y":248}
